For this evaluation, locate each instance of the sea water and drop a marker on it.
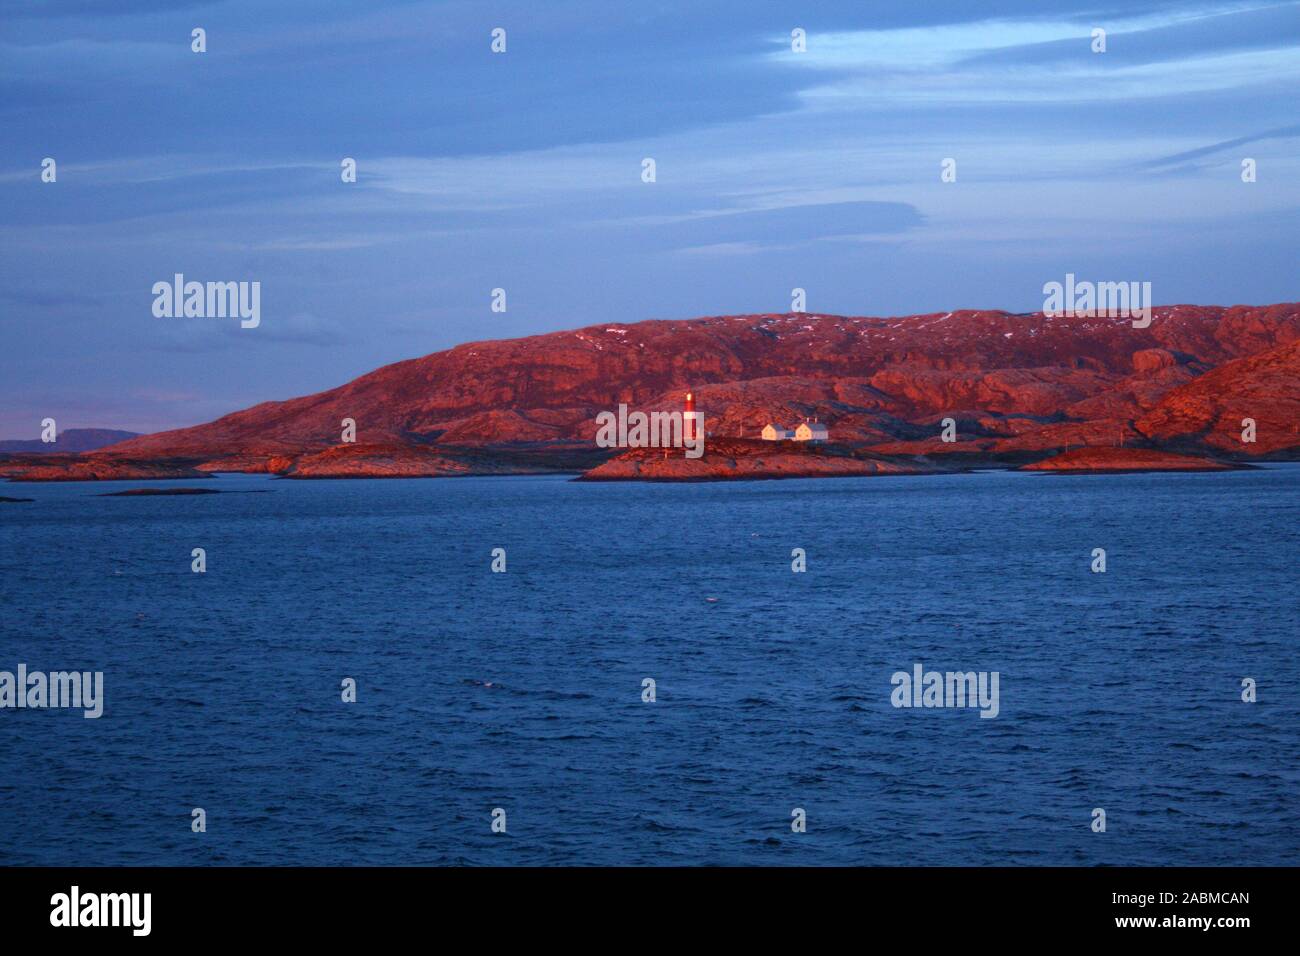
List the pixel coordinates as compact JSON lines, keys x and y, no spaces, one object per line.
{"x":524,"y":692}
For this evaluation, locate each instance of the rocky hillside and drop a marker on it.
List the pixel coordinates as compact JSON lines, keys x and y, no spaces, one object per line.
{"x":1020,"y":387}
{"x":1211,"y":410}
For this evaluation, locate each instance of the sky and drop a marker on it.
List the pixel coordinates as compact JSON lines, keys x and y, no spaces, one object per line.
{"x":775,"y":169}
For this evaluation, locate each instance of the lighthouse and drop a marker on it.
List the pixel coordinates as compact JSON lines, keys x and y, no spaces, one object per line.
{"x":688,"y":420}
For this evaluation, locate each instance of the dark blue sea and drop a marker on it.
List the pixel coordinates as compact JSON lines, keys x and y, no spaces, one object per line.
{"x":1120,"y":691}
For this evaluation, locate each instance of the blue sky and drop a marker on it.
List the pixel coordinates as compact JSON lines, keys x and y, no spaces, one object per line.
{"x":522,"y":170}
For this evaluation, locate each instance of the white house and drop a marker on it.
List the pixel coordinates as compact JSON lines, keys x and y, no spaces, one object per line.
{"x":811,"y":431}
{"x":773,"y":432}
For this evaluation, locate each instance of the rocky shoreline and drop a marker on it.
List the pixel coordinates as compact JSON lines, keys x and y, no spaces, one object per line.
{"x":1095,"y":461}
{"x":739,"y":459}
{"x":724,"y":459}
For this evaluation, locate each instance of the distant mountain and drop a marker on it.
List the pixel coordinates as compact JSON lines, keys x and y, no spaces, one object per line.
{"x":1020,"y":387}
{"x":871,"y":377}
{"x":72,"y":440}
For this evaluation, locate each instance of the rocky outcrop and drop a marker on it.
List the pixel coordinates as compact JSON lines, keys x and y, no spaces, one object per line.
{"x":1212,"y":410}
{"x":1153,"y":360}
{"x":93,"y":468}
{"x":162,"y":492}
{"x":428,"y":461}
{"x":747,"y":459}
{"x":1096,"y":460}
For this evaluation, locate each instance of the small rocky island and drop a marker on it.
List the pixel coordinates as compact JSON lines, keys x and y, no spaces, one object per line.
{"x":151,"y":492}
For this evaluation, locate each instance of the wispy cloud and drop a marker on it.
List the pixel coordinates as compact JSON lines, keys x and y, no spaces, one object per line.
{"x":1034,"y":60}
{"x":1186,"y":156}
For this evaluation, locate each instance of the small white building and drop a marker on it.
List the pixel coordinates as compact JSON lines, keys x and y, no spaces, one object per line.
{"x":773,"y":432}
{"x":811,"y":431}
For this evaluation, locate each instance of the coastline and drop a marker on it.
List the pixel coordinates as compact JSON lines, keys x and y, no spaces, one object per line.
{"x":725,"y":459}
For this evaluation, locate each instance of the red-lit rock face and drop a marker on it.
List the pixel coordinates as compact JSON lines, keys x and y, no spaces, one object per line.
{"x":1211,"y":410}
{"x":1015,"y":384}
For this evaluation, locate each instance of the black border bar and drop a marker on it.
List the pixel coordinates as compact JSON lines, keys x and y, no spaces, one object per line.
{"x":959,"y":906}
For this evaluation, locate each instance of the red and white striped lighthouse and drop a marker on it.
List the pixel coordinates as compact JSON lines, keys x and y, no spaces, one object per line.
{"x":688,"y":420}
